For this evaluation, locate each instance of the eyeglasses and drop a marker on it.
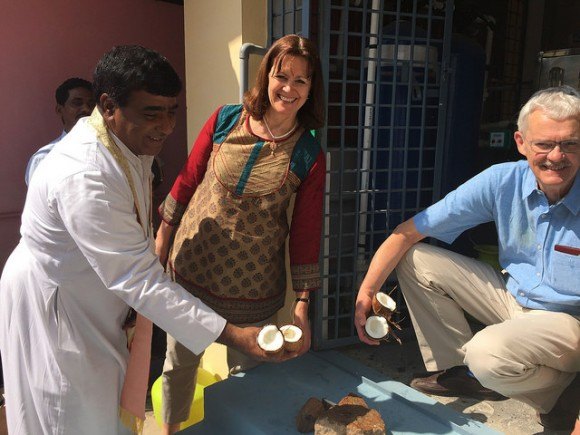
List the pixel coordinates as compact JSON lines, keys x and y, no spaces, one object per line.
{"x":546,"y":146}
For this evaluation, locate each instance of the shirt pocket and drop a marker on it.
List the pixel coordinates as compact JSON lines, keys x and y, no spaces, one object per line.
{"x":66,"y":340}
{"x":565,"y":273}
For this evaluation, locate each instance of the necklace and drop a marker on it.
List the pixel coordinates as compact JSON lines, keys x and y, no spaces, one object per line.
{"x":283,"y":135}
{"x":273,"y":144}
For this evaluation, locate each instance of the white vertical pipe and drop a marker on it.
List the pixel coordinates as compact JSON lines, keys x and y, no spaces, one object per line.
{"x":368,"y":131}
{"x":326,"y":249}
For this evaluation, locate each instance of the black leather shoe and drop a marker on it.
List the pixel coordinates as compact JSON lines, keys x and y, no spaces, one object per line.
{"x":565,"y":412}
{"x":454,"y":382}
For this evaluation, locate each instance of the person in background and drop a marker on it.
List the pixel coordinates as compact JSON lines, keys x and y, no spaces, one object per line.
{"x":74,"y":100}
{"x":530,"y":347}
{"x":228,"y":210}
{"x":86,"y":256}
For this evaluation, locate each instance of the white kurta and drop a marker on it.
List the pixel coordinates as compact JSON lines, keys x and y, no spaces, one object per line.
{"x":82,"y":260}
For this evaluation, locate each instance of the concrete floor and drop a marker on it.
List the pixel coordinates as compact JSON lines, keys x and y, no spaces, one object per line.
{"x":400,"y":362}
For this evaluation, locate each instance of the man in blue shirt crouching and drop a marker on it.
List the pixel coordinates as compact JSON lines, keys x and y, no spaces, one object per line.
{"x":530,"y":350}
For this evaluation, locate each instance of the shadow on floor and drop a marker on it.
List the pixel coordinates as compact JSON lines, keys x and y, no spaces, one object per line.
{"x":401,"y":362}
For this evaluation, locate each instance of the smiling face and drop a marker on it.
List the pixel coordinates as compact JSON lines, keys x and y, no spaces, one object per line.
{"x":555,"y":171}
{"x":143,"y":123}
{"x":288,"y":88}
{"x":80,"y":102}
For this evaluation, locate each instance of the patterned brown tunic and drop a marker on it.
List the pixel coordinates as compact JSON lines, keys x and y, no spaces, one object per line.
{"x":229,"y":247}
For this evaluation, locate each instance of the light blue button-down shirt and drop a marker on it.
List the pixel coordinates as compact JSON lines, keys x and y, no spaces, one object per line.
{"x":529,"y":228}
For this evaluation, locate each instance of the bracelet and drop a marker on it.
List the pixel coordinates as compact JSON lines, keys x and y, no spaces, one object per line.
{"x":307,"y":300}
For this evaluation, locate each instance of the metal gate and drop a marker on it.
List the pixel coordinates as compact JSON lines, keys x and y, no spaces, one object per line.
{"x":386,"y":64}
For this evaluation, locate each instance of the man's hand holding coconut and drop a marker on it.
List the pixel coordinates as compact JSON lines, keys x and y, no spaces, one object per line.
{"x":246,"y":340}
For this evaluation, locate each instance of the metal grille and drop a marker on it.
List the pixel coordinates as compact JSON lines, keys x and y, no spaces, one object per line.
{"x":512,"y":61}
{"x":289,"y":16}
{"x":386,"y":73}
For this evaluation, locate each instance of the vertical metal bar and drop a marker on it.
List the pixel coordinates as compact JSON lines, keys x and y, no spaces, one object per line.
{"x":340,"y":249}
{"x":409,"y":103}
{"x":305,"y":31}
{"x":376,"y":130}
{"x":270,"y":20}
{"x":320,"y":327}
{"x":394,"y":108}
{"x":443,"y":100}
{"x":426,"y":67}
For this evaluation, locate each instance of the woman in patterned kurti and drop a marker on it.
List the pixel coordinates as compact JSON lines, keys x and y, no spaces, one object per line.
{"x":229,"y":207}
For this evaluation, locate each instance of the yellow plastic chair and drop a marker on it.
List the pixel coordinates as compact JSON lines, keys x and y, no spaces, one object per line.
{"x":204,"y":378}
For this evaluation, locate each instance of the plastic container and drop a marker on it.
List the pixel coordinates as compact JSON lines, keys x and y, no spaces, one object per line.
{"x":488,"y":254}
{"x":204,"y":378}
{"x":407,"y":115}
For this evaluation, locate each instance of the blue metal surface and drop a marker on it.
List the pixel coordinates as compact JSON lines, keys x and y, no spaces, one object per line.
{"x":266,"y":399}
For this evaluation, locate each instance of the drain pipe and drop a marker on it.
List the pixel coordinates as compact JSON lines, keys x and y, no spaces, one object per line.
{"x":369,"y":118}
{"x":245,"y":50}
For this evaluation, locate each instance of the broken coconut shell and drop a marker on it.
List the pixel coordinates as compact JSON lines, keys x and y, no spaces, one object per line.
{"x":383,"y":305}
{"x":306,"y":417}
{"x":377,"y":328}
{"x":293,"y":337}
{"x":271,"y":339}
{"x":351,"y":416}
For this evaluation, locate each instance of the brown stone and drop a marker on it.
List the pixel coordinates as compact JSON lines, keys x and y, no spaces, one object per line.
{"x":308,"y":414}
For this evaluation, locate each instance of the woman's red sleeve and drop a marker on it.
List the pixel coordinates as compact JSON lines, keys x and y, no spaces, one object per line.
{"x":190,"y":175}
{"x":306,"y":228}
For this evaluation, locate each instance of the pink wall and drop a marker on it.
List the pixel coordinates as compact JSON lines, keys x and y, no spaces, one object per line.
{"x":44,"y":42}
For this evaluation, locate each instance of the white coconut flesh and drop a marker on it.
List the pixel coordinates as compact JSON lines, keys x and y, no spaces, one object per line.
{"x":377,"y":327}
{"x":292,"y":333}
{"x":270,"y":338}
{"x":386,"y":301}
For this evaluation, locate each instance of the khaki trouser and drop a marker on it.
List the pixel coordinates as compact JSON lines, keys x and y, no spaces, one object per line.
{"x":180,"y":375}
{"x":529,"y":355}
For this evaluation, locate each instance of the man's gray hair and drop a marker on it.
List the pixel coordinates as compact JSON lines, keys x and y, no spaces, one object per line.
{"x":558,"y":103}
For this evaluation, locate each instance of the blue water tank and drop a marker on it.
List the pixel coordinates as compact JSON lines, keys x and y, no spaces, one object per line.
{"x":463,"y":112}
{"x":407,"y":115}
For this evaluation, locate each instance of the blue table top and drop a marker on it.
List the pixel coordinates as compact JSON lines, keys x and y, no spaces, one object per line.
{"x":265,"y":400}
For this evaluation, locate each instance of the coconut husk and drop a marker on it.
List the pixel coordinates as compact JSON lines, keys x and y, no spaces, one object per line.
{"x":353,"y":399}
{"x":308,"y":414}
{"x":351,"y":416}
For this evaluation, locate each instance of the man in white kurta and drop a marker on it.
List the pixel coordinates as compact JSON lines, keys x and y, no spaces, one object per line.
{"x":82,"y":260}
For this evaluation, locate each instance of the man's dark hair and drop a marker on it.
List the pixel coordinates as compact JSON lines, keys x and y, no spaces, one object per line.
{"x":62,"y":91}
{"x":128,"y":68}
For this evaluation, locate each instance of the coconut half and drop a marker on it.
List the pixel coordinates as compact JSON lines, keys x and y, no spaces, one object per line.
{"x":293,"y":337}
{"x":377,"y":327}
{"x":270,"y":339}
{"x":383,"y":304}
